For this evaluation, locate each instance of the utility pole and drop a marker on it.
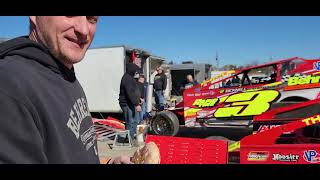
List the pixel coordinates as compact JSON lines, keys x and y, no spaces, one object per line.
{"x":217,"y":60}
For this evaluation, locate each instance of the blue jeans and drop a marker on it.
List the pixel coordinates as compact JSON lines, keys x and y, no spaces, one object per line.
{"x":143,"y":112}
{"x":159,"y":98}
{"x":131,"y":117}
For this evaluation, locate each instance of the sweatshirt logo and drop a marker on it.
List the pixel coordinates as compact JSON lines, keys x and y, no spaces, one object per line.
{"x":78,"y":113}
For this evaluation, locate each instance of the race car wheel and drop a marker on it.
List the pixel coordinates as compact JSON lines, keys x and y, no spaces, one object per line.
{"x":165,"y":123}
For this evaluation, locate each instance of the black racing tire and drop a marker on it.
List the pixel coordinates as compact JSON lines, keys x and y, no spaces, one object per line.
{"x":165,"y":123}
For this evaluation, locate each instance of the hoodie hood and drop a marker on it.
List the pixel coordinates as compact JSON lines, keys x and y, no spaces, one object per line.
{"x":131,"y":69}
{"x":30,"y":50}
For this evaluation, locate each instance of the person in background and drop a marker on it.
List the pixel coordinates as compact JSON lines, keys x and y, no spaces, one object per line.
{"x":189,"y":82}
{"x":143,"y":89}
{"x":129,"y":99}
{"x":160,"y":84}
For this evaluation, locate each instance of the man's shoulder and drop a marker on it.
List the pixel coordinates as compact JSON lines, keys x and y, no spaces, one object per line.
{"x":127,"y":79}
{"x":125,"y":76}
{"x":15,"y":72}
{"x":17,"y":65}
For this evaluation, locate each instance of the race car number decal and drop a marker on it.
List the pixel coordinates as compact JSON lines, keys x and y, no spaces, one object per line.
{"x":248,"y":103}
{"x":241,"y":104}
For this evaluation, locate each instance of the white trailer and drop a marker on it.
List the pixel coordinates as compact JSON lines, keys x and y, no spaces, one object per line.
{"x":100,"y":74}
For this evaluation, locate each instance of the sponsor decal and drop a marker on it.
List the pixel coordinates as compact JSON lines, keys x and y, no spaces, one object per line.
{"x":312,"y":120}
{"x":257,"y":156}
{"x":190,"y":95}
{"x":205,"y":94}
{"x":285,"y":157}
{"x":205,"y":102}
{"x":266,"y":127}
{"x":311,"y":156}
{"x":317,"y":65}
{"x":267,"y":86}
{"x":235,"y":90}
{"x":303,"y":80}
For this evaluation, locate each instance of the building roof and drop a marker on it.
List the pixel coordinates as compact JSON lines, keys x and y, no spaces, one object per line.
{"x":3,"y":39}
{"x":189,"y":66}
{"x":130,"y":48}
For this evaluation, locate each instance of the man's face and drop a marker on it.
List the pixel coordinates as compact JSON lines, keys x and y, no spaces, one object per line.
{"x":67,"y":37}
{"x":159,"y":70}
{"x":189,"y":78}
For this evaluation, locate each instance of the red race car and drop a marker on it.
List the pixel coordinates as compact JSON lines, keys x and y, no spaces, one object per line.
{"x":262,"y":97}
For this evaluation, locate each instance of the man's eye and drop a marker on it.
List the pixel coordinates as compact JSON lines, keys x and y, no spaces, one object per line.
{"x":92,"y":19}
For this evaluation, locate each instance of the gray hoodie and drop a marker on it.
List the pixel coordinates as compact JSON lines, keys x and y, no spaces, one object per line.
{"x":44,"y":116}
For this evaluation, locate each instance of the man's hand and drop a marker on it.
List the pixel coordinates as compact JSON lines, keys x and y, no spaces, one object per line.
{"x":138,"y":108}
{"x":120,"y":160}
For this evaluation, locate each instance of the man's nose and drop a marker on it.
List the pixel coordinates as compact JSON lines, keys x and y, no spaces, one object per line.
{"x":82,"y":26}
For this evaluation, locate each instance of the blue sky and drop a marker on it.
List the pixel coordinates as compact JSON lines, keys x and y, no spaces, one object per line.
{"x":237,"y":39}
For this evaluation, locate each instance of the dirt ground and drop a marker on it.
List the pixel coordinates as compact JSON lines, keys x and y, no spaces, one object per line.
{"x":106,"y":151}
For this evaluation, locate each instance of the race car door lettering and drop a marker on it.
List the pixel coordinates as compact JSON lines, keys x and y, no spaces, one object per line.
{"x":303,"y":80}
{"x":312,"y":120}
{"x":205,"y":102}
{"x":248,"y":103}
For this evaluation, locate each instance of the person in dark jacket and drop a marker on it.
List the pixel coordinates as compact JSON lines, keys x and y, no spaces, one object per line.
{"x":44,"y":112}
{"x":129,"y":99}
{"x":143,"y":90}
{"x":160,"y":84}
